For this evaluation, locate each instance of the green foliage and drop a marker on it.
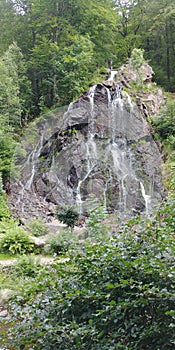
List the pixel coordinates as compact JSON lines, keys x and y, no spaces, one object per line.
{"x":164,"y":123}
{"x":157,"y":38}
{"x":27,"y":266}
{"x":61,"y":242}
{"x":137,"y":59}
{"x":7,"y":145}
{"x":37,"y":227}
{"x":96,"y":229}
{"x":16,"y":241}
{"x":14,"y":88}
{"x":68,"y":215}
{"x":7,"y":224}
{"x":75,"y":66}
{"x":7,"y":19}
{"x":114,"y":296}
{"x":61,"y":40}
{"x":4,"y":209}
{"x":164,"y":127}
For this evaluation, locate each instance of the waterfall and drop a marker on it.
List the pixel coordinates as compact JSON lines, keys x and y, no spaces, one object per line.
{"x":121,"y":170}
{"x":91,"y":94}
{"x":20,"y":196}
{"x":110,"y":160}
{"x":32,"y":162}
{"x":108,"y":96}
{"x":122,"y":167}
{"x":105,"y":191}
{"x":122,"y":157}
{"x":113,"y":74}
{"x":116,"y":108}
{"x":118,"y":148}
{"x":91,"y":150}
{"x":128,"y":101}
{"x":147,"y":199}
{"x":79,"y":200}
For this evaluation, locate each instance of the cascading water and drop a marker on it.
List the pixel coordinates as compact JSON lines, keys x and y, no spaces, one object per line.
{"x":100,"y":151}
{"x":32,"y":162}
{"x":122,"y":164}
{"x":147,"y":199}
{"x":91,"y":150}
{"x":109,"y":180}
{"x":121,"y":169}
{"x":113,"y":74}
{"x":29,"y":168}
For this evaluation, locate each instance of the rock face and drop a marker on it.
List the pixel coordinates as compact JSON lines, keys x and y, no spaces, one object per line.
{"x":99,"y":151}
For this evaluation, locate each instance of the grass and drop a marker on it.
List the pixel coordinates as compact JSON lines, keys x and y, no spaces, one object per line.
{"x":4,"y":256}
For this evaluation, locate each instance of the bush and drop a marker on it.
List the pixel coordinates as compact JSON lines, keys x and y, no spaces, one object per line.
{"x":27,"y":266}
{"x":114,"y":296}
{"x":4,"y":209}
{"x":16,"y":241}
{"x":95,"y":226}
{"x":164,"y":124}
{"x":6,"y":225}
{"x":68,"y":215}
{"x":37,"y":227}
{"x":60,"y":242}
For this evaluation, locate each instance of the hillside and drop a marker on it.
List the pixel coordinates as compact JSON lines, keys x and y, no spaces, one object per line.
{"x":87,"y":159}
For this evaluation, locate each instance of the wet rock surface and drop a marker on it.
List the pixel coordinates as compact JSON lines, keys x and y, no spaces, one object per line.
{"x":99,"y":151}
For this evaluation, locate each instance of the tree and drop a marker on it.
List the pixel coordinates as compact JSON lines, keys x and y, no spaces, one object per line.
{"x":75,"y":67}
{"x":7,"y":20}
{"x":48,"y":30}
{"x":157,"y":37}
{"x":14,"y":104}
{"x":7,"y":145}
{"x":129,"y":21}
{"x":68,"y":215}
{"x":14,"y":88}
{"x":161,"y":40}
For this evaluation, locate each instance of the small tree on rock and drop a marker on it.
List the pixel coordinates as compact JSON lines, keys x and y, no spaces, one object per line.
{"x":68,"y":215}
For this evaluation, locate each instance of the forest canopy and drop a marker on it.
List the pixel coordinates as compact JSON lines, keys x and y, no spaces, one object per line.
{"x":53,"y":50}
{"x":67,"y":44}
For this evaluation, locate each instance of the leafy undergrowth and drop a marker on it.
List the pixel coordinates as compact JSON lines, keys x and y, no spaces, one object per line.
{"x":7,"y":256}
{"x":116,"y":295}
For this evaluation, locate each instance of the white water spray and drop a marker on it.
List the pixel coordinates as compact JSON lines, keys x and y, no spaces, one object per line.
{"x":147,"y":199}
{"x":91,"y":151}
{"x":113,"y":74}
{"x":32,"y":161}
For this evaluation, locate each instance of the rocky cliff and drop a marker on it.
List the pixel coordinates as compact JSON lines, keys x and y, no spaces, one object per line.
{"x":100,"y":150}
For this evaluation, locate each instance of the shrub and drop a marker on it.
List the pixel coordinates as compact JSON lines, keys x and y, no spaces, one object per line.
{"x":16,"y":241}
{"x":60,"y":242}
{"x":6,"y":225}
{"x":95,"y":226}
{"x":68,"y":215}
{"x":37,"y":227}
{"x":164,"y":124}
{"x":4,"y":209}
{"x":27,"y":266}
{"x":137,"y":59}
{"x":114,"y":296}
